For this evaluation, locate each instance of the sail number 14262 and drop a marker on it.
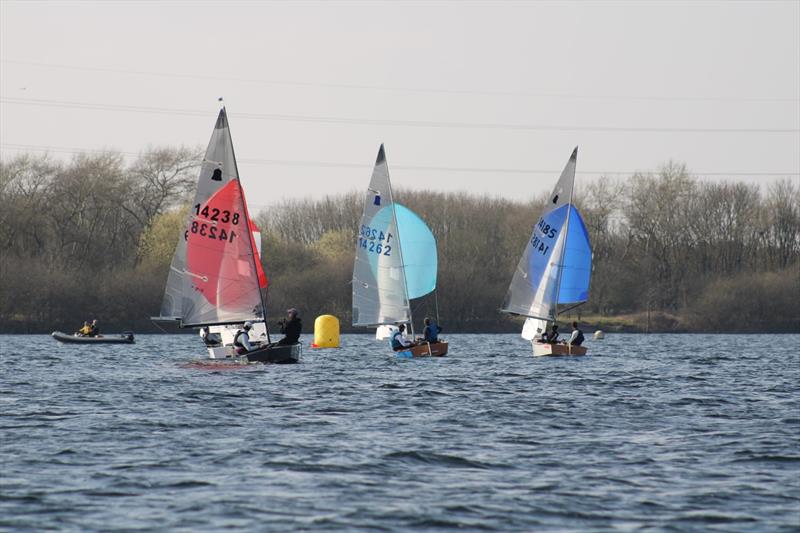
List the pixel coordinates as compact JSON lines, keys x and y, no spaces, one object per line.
{"x":375,"y":241}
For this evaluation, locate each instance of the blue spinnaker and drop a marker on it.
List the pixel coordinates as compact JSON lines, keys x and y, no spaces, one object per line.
{"x":577,"y":264}
{"x":543,"y":266}
{"x":418,"y":247}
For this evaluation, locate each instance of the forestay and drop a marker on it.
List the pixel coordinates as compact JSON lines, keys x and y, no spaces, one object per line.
{"x":556,"y":265}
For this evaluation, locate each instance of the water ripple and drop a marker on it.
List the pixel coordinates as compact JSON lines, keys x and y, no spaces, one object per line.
{"x":650,"y":432}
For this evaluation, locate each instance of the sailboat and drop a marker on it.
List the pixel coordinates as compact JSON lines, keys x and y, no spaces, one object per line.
{"x":216,"y":281}
{"x":395,"y":262}
{"x":555,"y":270}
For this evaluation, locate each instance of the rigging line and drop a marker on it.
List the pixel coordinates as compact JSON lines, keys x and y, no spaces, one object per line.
{"x":358,"y":86}
{"x":387,"y":122}
{"x":329,"y":164}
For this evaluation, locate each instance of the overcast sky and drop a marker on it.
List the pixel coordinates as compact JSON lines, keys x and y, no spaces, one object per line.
{"x":484,"y":97}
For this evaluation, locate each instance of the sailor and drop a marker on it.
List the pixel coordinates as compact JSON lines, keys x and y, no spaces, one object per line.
{"x":399,"y":342}
{"x":210,"y":339}
{"x":576,"y":339}
{"x":85,"y":330}
{"x":552,"y":337}
{"x":94,"y":329}
{"x":431,"y":331}
{"x":241,"y":341}
{"x":291,"y":327}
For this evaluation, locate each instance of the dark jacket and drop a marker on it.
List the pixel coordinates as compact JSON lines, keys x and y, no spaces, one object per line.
{"x":550,"y":337}
{"x":431,"y":333}
{"x":291,"y":330}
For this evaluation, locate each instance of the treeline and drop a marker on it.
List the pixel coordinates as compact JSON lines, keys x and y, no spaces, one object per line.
{"x":94,"y":238}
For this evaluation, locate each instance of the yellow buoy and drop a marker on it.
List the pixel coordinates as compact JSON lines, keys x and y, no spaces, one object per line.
{"x":326,"y":332}
{"x":599,"y":334}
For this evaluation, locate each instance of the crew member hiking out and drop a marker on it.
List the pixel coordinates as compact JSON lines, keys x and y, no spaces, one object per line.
{"x":291,"y":327}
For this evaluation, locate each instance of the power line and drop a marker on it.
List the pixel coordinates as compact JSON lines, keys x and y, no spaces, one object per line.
{"x":367,"y":166}
{"x":357,"y":86}
{"x":385,"y":122}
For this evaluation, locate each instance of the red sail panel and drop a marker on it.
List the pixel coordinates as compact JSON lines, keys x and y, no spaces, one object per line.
{"x":255,"y":232}
{"x":220,"y":252}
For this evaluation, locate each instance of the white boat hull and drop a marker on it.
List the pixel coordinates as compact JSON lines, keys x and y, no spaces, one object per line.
{"x":226,"y":334}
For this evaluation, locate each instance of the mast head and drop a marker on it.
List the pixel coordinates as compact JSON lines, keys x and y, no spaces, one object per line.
{"x":222,"y":119}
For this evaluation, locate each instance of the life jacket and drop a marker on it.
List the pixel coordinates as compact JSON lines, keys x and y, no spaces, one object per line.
{"x":434,"y":331}
{"x":579,"y":339}
{"x":396,"y":344}
{"x":236,"y":341}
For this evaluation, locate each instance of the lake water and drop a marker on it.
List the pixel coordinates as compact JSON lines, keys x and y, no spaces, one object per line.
{"x":677,"y":432}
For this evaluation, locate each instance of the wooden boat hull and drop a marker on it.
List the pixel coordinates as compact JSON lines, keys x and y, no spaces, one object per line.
{"x":427,"y":349}
{"x":280,"y":355}
{"x":541,"y":349}
{"x":124,"y":338}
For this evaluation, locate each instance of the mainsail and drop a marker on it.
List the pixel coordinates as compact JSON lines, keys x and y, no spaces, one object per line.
{"x":216,"y":276}
{"x":556,"y":265}
{"x":379,"y":286}
{"x":395,"y":256}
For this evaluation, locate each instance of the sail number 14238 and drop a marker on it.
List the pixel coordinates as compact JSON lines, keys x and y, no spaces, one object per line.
{"x":209,"y":226}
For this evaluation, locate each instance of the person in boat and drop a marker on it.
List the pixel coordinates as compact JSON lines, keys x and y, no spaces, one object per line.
{"x":210,"y":339}
{"x":399,"y":342}
{"x":552,"y":336}
{"x":94,"y":329}
{"x":576,"y":339}
{"x":241,"y":341}
{"x":85,"y":330}
{"x":291,"y":327}
{"x":431,"y":331}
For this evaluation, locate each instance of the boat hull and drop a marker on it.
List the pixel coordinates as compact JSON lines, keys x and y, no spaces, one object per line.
{"x":280,"y":355}
{"x":126,"y":338}
{"x":427,"y":349}
{"x":541,"y":349}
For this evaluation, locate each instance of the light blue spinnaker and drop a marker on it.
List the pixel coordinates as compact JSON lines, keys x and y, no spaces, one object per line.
{"x":419,"y":249}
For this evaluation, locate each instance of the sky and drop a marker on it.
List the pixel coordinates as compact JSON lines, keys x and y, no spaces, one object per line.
{"x":484,"y":97}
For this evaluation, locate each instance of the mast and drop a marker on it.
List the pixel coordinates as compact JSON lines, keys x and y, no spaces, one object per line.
{"x":564,"y":246}
{"x":400,"y":249}
{"x":249,"y":231}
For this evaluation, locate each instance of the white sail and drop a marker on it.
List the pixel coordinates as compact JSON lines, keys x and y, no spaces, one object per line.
{"x":533,"y":328}
{"x":380,"y":295}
